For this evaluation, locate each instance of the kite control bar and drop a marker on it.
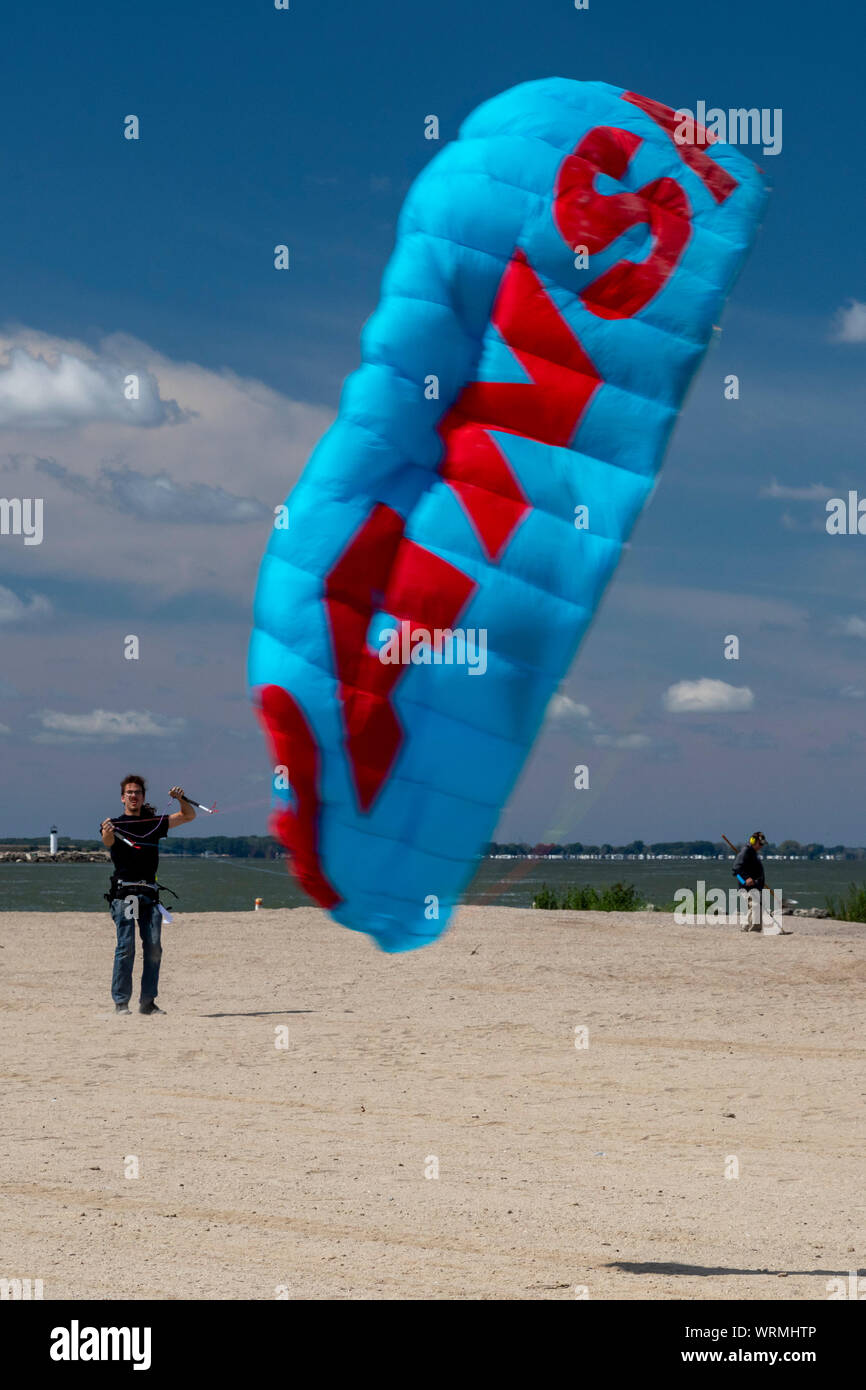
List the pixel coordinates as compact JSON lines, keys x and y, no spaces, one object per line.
{"x":119,"y":836}
{"x":211,"y":810}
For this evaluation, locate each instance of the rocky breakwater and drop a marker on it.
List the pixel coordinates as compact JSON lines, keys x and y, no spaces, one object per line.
{"x":63,"y":856}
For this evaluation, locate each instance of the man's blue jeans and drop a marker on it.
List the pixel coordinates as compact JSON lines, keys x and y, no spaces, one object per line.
{"x":124,"y":912}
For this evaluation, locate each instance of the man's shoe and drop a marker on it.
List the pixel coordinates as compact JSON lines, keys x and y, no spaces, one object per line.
{"x":121,"y":1008}
{"x":148,"y":1006}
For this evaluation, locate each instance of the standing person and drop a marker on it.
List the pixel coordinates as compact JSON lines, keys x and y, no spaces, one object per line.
{"x":749,"y":873}
{"x":134,"y":894}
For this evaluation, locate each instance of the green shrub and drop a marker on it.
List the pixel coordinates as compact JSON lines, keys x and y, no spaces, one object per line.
{"x":852,"y":908}
{"x":579,"y":899}
{"x":620,"y":897}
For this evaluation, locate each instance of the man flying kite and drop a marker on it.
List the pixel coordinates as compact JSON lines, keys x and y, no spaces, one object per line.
{"x":133,"y":840}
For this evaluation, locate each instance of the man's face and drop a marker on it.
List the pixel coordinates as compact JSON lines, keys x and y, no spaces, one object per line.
{"x":132,"y":797}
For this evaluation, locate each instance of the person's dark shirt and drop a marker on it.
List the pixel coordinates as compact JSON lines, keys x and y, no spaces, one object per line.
{"x":748,"y":865}
{"x":143,"y":862}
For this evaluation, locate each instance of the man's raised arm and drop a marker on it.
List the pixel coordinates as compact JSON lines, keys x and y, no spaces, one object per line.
{"x":186,"y":812}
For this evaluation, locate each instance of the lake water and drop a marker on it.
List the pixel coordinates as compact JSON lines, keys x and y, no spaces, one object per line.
{"x":231,"y":885}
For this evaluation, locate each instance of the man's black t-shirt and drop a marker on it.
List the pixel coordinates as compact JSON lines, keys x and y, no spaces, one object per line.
{"x":142,"y":862}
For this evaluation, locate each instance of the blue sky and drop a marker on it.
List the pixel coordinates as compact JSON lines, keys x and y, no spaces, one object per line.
{"x":306,"y":127}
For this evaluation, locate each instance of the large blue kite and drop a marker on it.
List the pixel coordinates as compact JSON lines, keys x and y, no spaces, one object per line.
{"x":557,"y":273}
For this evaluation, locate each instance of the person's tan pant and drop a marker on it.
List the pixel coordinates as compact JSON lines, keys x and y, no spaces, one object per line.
{"x":755,"y":910}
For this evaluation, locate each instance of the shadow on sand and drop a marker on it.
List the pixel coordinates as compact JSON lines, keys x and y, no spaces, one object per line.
{"x":664,"y":1267}
{"x":262,"y":1013}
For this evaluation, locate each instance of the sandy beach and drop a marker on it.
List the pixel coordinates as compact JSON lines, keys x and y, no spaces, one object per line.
{"x":263,"y":1168}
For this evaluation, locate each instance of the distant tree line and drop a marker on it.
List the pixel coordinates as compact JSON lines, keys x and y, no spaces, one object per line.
{"x":264,"y":847}
{"x":236,"y":846}
{"x":681,"y":847}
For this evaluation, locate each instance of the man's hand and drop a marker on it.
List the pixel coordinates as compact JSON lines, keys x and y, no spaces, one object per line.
{"x":186,"y":812}
{"x":107,"y":830}
{"x":750,"y":883}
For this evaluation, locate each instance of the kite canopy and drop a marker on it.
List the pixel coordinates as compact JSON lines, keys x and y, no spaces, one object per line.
{"x":557,"y":273}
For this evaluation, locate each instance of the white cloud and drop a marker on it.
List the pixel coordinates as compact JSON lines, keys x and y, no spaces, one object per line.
{"x":622,"y":740}
{"x":135,"y":509}
{"x":563,"y":710}
{"x":812,"y":492}
{"x":16,"y":610}
{"x":849,"y":323}
{"x":66,"y":389}
{"x":4,"y":729}
{"x":792,"y":523}
{"x":851,"y":627}
{"x":707,"y":696}
{"x":852,"y":692}
{"x":104,"y":724}
{"x":156,"y":497}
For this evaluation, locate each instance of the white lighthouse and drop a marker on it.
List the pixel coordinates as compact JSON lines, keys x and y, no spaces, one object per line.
{"x":52,"y":841}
